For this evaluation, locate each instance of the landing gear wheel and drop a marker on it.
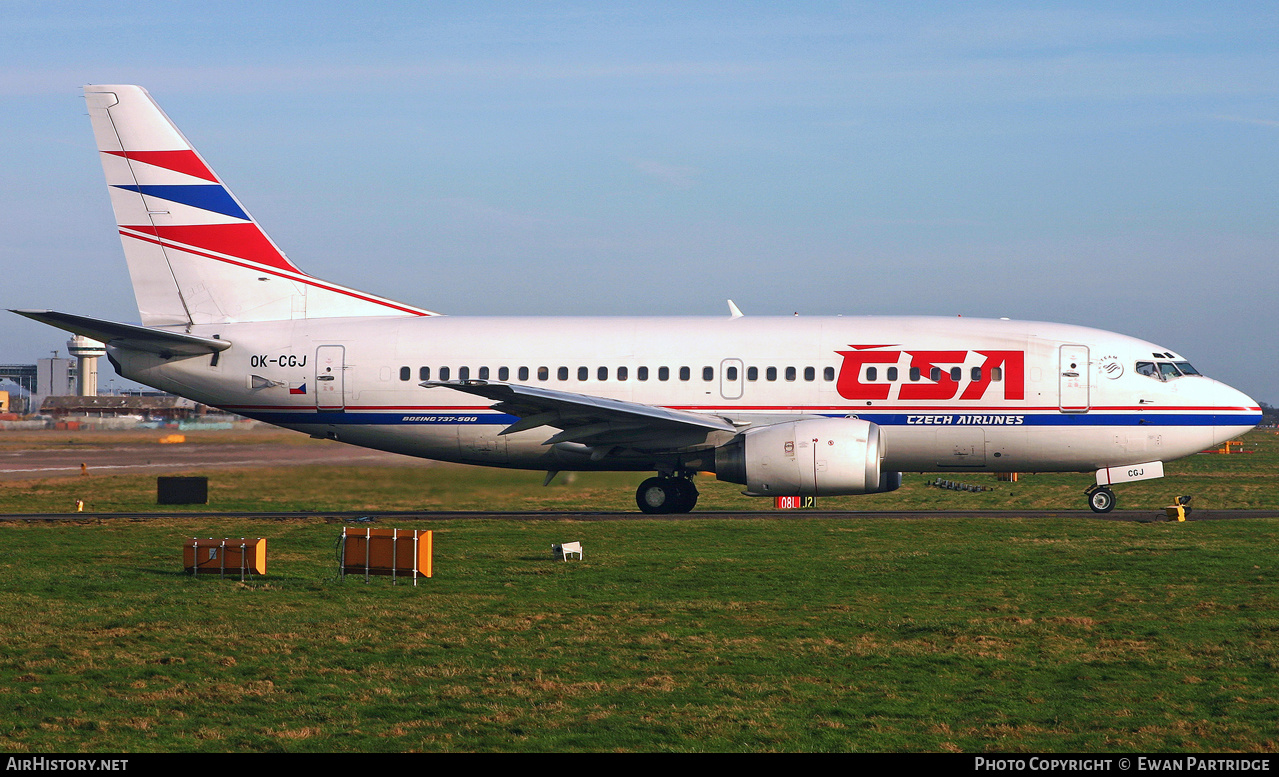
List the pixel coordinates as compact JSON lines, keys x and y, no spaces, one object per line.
{"x":1101,"y":500}
{"x":657,"y":496}
{"x":687,"y":495}
{"x":662,"y":496}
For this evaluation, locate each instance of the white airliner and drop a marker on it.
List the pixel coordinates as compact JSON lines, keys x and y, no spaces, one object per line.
{"x":790,"y":406}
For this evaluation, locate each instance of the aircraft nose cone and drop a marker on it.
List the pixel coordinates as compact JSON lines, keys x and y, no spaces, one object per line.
{"x":1236,"y":412}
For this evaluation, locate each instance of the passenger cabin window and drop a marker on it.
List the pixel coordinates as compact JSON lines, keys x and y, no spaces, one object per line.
{"x":543,"y":373}
{"x":892,"y":373}
{"x":871,"y":374}
{"x":790,"y":373}
{"x":583,"y":373}
{"x":503,"y":374}
{"x":484,"y":373}
{"x":601,"y":373}
{"x":810,"y":374}
{"x":641,"y":373}
{"x":523,"y":373}
{"x":663,"y":373}
{"x":730,"y":373}
{"x":623,"y":373}
{"x":684,"y":373}
{"x":405,"y":373}
{"x":771,"y":373}
{"x":708,"y":373}
{"x":424,"y":373}
{"x":752,"y":373}
{"x":463,"y":373}
{"x":444,"y":373}
{"x":956,"y":373}
{"x":562,"y":373}
{"x":828,"y":374}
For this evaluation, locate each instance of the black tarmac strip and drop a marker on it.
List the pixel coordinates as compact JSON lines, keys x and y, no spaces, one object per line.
{"x":1140,"y":516}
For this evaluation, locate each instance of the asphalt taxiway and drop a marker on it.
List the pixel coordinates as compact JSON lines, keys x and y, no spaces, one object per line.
{"x":33,"y":463}
{"x":1141,"y":516}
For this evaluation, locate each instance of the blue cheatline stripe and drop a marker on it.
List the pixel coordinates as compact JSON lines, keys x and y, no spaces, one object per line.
{"x":379,"y":418}
{"x":934,"y":420}
{"x":1003,"y":420}
{"x":209,"y":197}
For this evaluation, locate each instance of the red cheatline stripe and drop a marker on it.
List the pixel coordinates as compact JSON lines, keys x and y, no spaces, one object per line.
{"x":807,"y":408}
{"x":183,"y":161}
{"x":244,"y":241}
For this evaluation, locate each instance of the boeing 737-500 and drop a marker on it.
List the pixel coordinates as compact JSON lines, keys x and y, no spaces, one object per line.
{"x":785,"y":406}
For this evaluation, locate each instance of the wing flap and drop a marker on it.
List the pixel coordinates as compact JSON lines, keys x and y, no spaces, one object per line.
{"x":587,"y":419}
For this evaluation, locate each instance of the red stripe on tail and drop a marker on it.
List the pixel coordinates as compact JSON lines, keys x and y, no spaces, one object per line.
{"x":243,"y":241}
{"x":182,"y":161}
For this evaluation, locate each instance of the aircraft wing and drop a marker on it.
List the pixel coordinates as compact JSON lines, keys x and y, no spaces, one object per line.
{"x":131,"y":336}
{"x":591,"y":420}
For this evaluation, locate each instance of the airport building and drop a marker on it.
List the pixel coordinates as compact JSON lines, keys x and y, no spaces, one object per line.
{"x":66,"y":390}
{"x":31,"y":383}
{"x":154,"y":406}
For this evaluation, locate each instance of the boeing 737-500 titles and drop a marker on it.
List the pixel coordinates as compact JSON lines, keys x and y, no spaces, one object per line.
{"x":785,"y":406}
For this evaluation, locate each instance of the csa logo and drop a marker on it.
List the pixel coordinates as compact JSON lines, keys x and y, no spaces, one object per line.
{"x":936,"y":374}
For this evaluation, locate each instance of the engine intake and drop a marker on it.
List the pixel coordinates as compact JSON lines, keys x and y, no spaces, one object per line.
{"x":813,"y":457}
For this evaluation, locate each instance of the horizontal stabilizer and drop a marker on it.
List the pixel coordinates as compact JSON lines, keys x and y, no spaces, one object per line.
{"x":129,"y":336}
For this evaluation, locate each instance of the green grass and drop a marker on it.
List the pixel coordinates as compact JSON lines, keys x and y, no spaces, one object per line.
{"x":1240,"y":480}
{"x":853,"y":634}
{"x":842,"y":635}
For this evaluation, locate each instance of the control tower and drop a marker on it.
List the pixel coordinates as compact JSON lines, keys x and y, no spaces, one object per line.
{"x":86,"y":353}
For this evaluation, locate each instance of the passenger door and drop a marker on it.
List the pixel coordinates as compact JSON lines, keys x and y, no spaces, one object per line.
{"x":330,"y":383}
{"x":1074,"y":379}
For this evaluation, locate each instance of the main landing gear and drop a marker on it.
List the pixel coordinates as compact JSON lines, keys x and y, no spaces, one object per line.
{"x":1101,"y":499}
{"x":666,"y":494}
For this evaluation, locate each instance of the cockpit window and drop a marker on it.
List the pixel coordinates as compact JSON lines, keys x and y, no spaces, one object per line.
{"x":1165,"y":370}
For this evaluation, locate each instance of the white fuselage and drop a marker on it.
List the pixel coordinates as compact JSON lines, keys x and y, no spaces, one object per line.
{"x":948,"y":394}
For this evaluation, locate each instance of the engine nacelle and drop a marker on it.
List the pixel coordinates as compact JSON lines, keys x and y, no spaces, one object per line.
{"x":813,"y":457}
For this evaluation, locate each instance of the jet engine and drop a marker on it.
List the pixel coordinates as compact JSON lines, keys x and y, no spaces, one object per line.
{"x":812,"y":457}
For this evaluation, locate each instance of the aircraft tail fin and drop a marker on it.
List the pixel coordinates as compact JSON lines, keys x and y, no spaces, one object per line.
{"x":195,"y":255}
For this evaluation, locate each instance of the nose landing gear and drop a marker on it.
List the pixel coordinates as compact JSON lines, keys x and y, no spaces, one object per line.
{"x":1100,"y":499}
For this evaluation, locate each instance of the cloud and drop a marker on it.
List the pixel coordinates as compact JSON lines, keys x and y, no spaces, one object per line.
{"x":1248,"y":120}
{"x":674,"y":176}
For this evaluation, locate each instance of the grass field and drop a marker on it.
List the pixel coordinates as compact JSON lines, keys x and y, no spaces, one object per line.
{"x":1239,"y":480}
{"x":853,"y":634}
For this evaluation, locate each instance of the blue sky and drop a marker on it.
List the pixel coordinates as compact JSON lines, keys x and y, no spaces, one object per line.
{"x":1114,"y":165}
